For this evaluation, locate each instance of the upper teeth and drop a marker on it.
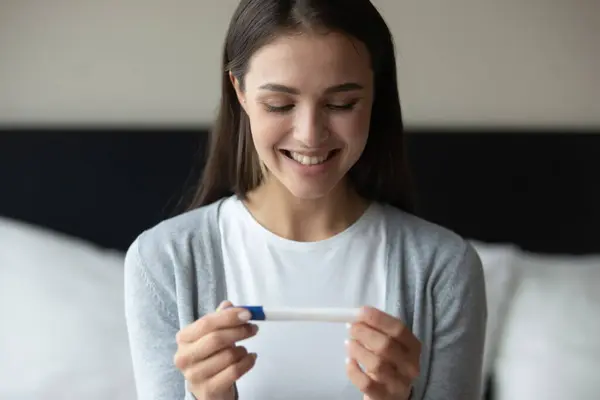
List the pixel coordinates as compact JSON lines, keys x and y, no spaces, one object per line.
{"x":308,"y":160}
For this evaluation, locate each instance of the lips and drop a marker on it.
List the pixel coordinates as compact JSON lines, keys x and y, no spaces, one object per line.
{"x":309,"y":159}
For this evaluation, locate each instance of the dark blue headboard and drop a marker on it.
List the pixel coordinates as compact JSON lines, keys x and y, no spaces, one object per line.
{"x":539,"y":190}
{"x":103,"y":185}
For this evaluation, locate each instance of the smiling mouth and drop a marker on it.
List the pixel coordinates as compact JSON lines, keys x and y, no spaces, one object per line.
{"x":309,"y":160}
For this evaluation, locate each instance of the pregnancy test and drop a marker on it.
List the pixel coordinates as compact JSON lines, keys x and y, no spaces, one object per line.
{"x":260,"y":313}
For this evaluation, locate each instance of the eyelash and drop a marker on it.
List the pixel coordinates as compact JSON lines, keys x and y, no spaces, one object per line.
{"x":283,"y":109}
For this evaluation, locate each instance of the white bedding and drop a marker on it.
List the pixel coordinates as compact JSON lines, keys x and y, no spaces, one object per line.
{"x":62,"y":332}
{"x":550,"y":345}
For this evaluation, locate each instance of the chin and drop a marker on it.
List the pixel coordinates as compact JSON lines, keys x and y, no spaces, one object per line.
{"x":302,"y":194}
{"x":310,"y":191}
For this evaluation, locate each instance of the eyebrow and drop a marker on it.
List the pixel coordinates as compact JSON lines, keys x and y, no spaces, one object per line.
{"x":344,"y":87}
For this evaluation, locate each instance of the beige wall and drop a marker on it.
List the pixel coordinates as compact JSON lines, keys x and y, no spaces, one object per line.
{"x":514,"y":62}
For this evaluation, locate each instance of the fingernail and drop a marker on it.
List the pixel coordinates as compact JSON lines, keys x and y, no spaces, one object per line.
{"x":348,"y":325}
{"x":244,"y":315}
{"x":254,"y":328}
{"x":254,"y":356}
{"x":347,"y":360}
{"x":346,"y":342}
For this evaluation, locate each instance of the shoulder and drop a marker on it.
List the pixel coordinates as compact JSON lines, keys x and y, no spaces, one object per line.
{"x":176,"y":242}
{"x":438,"y":254}
{"x":180,"y":229}
{"x":190,"y":223}
{"x":421,"y":237}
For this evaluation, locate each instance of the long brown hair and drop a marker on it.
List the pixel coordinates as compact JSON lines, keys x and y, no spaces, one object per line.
{"x":232,"y":166}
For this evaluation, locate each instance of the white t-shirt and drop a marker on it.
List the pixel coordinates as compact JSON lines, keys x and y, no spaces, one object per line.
{"x":301,"y":360}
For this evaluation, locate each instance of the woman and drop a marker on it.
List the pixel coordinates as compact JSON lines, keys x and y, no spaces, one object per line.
{"x":305,"y":202}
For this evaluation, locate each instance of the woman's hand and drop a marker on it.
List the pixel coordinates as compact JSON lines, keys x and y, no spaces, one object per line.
{"x":388,"y":352}
{"x":207,"y":354}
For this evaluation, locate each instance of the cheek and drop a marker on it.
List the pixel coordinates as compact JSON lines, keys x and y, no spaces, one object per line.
{"x":353,"y":128}
{"x":268,"y":129}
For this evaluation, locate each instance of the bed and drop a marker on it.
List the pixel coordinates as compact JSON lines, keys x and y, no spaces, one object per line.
{"x":72,"y":201}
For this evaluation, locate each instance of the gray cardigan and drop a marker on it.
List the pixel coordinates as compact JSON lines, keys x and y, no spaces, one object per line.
{"x":174,"y":275}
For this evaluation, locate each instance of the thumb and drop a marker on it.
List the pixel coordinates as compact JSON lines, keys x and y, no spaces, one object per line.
{"x":224,"y":304}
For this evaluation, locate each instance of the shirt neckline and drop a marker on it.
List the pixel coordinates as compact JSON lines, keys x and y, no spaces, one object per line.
{"x":276,"y":240}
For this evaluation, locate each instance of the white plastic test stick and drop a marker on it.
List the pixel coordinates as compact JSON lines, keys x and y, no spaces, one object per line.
{"x":260,"y":313}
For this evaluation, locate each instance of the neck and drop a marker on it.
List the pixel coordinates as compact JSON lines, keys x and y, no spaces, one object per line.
{"x":305,"y":220}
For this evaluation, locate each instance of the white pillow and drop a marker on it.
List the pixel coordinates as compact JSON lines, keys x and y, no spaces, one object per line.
{"x":500,"y":283}
{"x":551,"y":346}
{"x":63,"y":332}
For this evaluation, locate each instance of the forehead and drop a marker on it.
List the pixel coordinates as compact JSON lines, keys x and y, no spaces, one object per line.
{"x":310,"y":61}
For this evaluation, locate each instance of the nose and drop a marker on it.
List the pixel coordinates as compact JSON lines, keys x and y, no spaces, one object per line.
{"x":310,"y":129}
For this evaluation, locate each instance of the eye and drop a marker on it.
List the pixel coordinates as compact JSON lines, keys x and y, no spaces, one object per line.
{"x":343,"y":107}
{"x":278,"y":109}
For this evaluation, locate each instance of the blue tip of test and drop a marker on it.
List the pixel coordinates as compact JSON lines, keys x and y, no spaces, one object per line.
{"x":258,"y":314}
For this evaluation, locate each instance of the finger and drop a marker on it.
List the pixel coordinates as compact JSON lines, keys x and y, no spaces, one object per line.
{"x":212,"y":343}
{"x":407,"y":362}
{"x":392,"y":327}
{"x":222,"y":318}
{"x":388,"y":325}
{"x":213,"y":365}
{"x":224,"y":304}
{"x":375,"y":366}
{"x":378,"y":343}
{"x":226,"y":378}
{"x":373,"y":389}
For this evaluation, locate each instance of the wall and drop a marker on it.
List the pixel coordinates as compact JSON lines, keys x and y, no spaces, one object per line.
{"x":509,"y":62}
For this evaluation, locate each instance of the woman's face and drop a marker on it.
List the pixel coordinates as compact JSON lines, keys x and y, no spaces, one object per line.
{"x":308,"y":98}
